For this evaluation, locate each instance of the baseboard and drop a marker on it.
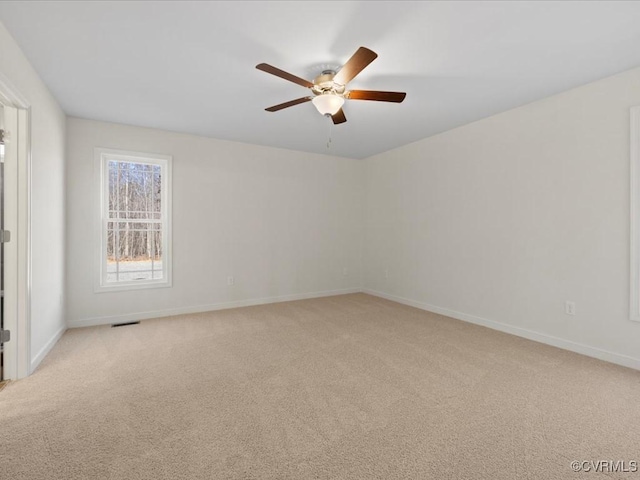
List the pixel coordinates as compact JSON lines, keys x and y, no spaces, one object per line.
{"x":108,"y":320}
{"x":587,"y":350}
{"x":46,"y":349}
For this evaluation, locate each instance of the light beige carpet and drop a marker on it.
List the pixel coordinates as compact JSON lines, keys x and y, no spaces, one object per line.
{"x":348,"y":387}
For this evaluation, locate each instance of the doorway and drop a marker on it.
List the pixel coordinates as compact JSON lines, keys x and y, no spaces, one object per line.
{"x":8,"y":213}
{"x":15,"y":269}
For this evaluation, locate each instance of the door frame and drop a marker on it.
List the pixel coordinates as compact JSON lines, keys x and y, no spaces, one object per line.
{"x":18,"y":363}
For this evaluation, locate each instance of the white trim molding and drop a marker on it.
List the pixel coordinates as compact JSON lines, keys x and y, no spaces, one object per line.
{"x":11,"y":96}
{"x":607,"y":356}
{"x":634,"y":294}
{"x":25,"y":231}
{"x":132,"y":317}
{"x":46,"y":349}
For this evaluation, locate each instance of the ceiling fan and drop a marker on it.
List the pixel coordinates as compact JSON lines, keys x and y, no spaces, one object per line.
{"x":329,"y":88}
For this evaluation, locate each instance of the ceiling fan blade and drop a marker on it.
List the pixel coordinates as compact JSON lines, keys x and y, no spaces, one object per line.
{"x":355,"y":65}
{"x":282,"y":74}
{"x":338,"y":117}
{"x":297,"y":101}
{"x":376,"y":95}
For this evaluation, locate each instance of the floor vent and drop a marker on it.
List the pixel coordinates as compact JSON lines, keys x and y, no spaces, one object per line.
{"x":123,"y":324}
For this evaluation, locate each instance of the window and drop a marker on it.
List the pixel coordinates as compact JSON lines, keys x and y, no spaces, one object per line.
{"x":634,"y":307}
{"x":135,"y":220}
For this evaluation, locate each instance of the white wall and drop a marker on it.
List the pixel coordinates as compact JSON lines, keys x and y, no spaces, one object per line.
{"x":283,"y":223}
{"x":501,"y":221}
{"x":48,"y":198}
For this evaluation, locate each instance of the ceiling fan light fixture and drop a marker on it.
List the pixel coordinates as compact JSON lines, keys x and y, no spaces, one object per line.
{"x":328,"y":103}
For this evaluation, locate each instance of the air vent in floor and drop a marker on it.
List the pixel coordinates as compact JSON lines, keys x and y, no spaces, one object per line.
{"x":123,"y":324}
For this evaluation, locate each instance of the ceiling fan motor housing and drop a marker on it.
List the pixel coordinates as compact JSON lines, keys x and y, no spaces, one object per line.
{"x":324,"y":83}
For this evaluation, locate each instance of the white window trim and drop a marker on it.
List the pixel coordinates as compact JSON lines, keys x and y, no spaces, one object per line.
{"x":101,"y":159}
{"x":634,"y":297}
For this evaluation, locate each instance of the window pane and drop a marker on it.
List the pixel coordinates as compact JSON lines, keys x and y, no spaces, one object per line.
{"x":113,"y":175}
{"x":157,"y":187}
{"x":135,"y":241}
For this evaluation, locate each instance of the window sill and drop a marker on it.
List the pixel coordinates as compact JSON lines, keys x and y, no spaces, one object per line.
{"x":123,"y":287}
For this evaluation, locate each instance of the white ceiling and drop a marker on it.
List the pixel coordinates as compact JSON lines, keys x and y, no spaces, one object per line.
{"x":189,"y":66}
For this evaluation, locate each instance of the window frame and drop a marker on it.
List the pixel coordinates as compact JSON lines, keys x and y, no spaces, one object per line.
{"x":102,"y":157}
{"x":634,"y":135}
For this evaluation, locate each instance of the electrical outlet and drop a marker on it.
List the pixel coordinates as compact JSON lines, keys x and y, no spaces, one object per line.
{"x":345,"y":272}
{"x":570,"y":308}
{"x":386,"y":273}
{"x":230,"y":281}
